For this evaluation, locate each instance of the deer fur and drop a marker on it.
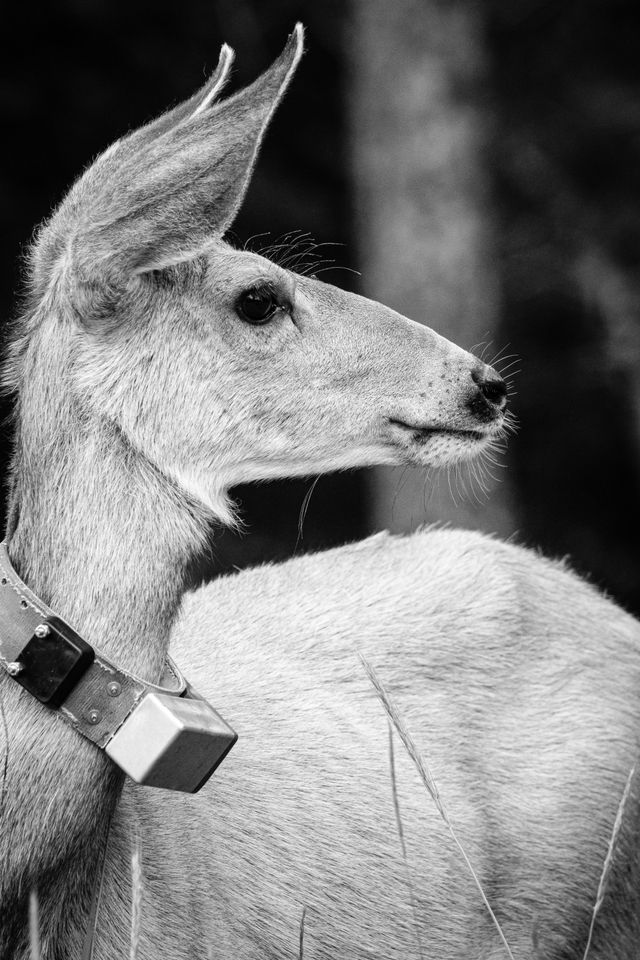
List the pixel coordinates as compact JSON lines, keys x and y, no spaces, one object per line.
{"x":141,"y":397}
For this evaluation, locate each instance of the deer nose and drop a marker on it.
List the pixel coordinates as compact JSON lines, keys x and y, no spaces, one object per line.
{"x":492,"y":388}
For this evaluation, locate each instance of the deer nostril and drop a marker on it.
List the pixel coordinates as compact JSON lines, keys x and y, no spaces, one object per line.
{"x":495,"y":391}
{"x":492,"y":387}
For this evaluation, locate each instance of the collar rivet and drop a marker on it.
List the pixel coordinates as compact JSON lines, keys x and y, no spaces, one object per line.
{"x":14,"y":668}
{"x":42,"y":630}
{"x":114,"y":689}
{"x":94,"y":717}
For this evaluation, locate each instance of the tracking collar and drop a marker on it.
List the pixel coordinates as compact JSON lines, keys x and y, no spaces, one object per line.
{"x":159,"y":735}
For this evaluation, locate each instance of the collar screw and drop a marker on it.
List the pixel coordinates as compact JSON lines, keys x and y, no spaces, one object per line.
{"x":93,"y":717}
{"x":14,"y":668}
{"x":42,"y":630}
{"x":114,"y":689}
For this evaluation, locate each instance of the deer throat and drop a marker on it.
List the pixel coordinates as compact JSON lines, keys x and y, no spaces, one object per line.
{"x":106,"y":544}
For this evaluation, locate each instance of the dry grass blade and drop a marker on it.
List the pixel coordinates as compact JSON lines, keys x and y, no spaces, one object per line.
{"x":301,"y":948}
{"x":136,"y":898}
{"x":396,"y":807}
{"x":608,"y":860}
{"x":427,"y":778}
{"x":34,"y":925}
{"x":5,"y":762}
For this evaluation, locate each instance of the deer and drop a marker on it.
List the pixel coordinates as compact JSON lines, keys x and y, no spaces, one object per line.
{"x":154,"y":367}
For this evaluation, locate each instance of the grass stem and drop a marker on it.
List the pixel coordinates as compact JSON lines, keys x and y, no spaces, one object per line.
{"x":430,"y":784}
{"x":301,"y":947}
{"x":608,"y":860}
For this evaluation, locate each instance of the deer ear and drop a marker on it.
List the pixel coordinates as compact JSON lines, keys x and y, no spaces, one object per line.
{"x":201,"y":100}
{"x":170,"y":189}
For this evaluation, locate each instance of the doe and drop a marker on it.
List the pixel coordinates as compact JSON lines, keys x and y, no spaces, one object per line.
{"x":156,"y":367}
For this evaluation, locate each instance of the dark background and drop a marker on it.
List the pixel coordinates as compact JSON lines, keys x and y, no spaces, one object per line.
{"x":562,"y":159}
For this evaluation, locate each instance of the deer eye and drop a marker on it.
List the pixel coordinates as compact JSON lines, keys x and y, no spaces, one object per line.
{"x":257,"y":305}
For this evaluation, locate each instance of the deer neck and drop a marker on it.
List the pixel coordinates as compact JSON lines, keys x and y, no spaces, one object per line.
{"x":105,"y":541}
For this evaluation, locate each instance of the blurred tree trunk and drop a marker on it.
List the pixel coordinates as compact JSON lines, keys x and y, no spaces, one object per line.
{"x":566,"y":163}
{"x":422,"y":209}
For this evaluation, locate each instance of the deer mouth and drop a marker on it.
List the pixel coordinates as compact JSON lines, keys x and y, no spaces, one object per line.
{"x":420,"y":434}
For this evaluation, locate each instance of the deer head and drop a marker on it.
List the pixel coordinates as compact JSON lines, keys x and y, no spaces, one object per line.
{"x":214,"y":364}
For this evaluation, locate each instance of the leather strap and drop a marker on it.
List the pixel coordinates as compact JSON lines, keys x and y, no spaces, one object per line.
{"x":105,"y":695}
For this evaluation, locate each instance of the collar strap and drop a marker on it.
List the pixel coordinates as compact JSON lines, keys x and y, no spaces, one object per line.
{"x":160,"y":734}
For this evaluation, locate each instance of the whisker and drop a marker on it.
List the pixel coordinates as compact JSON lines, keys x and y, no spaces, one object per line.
{"x":451,"y":493}
{"x":512,"y":358}
{"x":496,"y":357}
{"x":303,"y":511}
{"x":398,"y":490}
{"x":480,"y":348}
{"x":256,"y":236}
{"x":357,"y":273}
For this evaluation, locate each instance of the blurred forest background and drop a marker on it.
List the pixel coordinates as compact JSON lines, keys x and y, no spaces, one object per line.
{"x":477,"y":162}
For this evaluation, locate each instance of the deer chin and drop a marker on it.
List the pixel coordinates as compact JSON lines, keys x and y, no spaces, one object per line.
{"x":437,"y":446}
